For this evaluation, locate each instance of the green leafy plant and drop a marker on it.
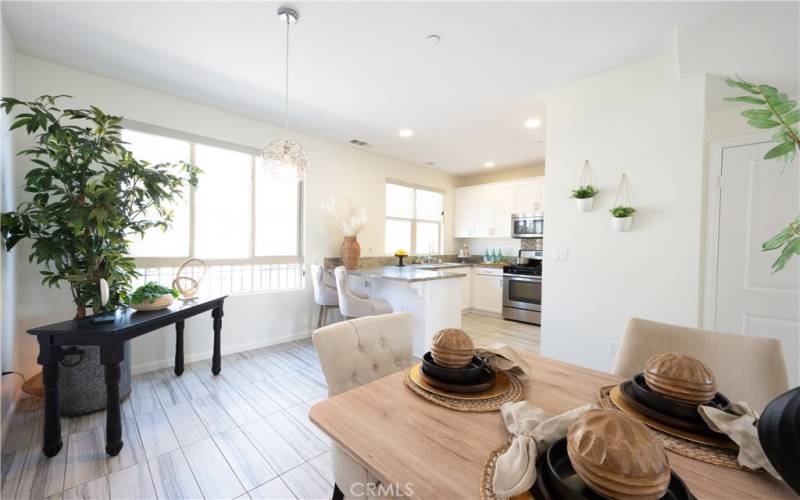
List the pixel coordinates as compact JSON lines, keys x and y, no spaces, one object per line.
{"x":774,"y":110}
{"x":150,"y":292}
{"x":622,"y":211}
{"x":584,"y":192}
{"x":89,"y":196}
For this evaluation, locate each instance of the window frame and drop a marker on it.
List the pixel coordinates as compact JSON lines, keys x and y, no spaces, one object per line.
{"x":194,"y":140}
{"x":413,"y":250}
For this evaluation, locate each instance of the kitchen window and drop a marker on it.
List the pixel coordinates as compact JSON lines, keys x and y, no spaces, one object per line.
{"x":241,"y":221}
{"x":413,"y":219}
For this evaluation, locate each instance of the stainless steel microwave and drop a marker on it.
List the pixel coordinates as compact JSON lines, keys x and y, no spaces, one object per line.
{"x":527,"y":225}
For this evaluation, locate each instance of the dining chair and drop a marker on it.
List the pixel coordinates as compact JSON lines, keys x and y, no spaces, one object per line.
{"x":353,"y":353}
{"x":325,"y":295}
{"x":750,"y":369}
{"x":356,"y":305}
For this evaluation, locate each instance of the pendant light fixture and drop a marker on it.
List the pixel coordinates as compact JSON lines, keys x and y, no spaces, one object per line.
{"x":284,"y":158}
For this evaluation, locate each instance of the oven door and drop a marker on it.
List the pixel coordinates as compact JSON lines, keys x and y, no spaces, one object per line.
{"x":527,"y":227}
{"x":522,"y":292}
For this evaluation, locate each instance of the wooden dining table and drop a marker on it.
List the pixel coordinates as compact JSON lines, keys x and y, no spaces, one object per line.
{"x":404,"y":439}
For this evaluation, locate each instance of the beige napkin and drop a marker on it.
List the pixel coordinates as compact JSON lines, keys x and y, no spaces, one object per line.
{"x":742,"y":430}
{"x":503,"y":357}
{"x":533,"y":432}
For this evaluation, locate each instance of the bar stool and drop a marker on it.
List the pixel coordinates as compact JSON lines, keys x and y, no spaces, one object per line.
{"x":356,"y":305}
{"x":324,"y":295}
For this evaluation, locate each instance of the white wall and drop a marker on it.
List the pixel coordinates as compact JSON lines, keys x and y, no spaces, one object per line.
{"x":9,"y":347}
{"x":644,"y":121}
{"x":250,"y":320}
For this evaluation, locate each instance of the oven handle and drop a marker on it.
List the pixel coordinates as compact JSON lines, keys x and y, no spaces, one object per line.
{"x":522,"y":278}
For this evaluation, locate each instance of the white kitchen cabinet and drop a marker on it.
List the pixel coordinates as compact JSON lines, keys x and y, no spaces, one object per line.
{"x":487,"y":290}
{"x":529,"y":196}
{"x":464,"y":213}
{"x":484,"y":211}
{"x":503,"y":208}
{"x":466,"y":285}
{"x":483,"y":215}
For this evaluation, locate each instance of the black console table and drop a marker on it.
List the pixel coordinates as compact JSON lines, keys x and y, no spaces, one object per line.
{"x":110,"y":337}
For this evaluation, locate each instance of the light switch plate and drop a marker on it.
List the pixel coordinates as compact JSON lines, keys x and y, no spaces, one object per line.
{"x":560,"y":255}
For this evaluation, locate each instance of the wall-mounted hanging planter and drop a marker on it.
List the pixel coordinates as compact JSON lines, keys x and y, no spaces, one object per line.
{"x":585,"y":193}
{"x":622,"y":213}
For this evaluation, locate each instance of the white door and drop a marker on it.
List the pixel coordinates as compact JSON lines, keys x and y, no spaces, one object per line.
{"x":756,"y":202}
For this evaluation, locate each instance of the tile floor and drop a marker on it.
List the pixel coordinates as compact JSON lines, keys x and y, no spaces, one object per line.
{"x":243,"y":434}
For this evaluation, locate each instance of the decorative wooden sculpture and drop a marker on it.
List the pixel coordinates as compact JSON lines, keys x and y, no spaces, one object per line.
{"x":194,"y":284}
{"x":617,"y":456}
{"x":779,"y":434}
{"x":452,"y":348}
{"x":680,"y":377}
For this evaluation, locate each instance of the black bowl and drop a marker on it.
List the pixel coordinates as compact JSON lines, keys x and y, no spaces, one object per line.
{"x":470,"y":374}
{"x":672,"y":407}
{"x":561,"y":480}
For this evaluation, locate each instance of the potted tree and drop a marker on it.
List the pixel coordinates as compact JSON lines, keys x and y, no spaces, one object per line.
{"x":584,"y":197}
{"x":89,"y":196}
{"x":622,"y":217}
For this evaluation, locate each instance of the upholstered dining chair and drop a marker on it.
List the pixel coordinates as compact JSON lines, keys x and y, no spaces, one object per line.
{"x":353,"y":353}
{"x":750,"y":369}
{"x":325,"y":295}
{"x":356,"y":305}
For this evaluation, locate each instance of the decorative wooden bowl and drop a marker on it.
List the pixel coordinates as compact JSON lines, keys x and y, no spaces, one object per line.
{"x":158,"y":304}
{"x":617,"y":456}
{"x":669,"y":406}
{"x":452,"y":348}
{"x":680,"y":377}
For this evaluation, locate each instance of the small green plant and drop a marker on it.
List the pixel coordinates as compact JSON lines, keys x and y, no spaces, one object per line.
{"x":584,"y":192}
{"x":150,"y":292}
{"x":775,"y":110}
{"x":622,"y":211}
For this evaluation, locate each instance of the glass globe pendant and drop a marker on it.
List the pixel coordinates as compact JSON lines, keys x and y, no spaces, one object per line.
{"x":284,"y":158}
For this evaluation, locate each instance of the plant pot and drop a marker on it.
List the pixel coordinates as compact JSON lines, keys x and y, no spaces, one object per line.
{"x":158,"y":304}
{"x":584,"y":204}
{"x":351,"y":252}
{"x":621,"y":223}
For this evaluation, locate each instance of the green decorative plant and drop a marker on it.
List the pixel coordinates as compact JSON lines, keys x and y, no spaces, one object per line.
{"x":151,"y":292}
{"x":584,"y":192}
{"x":622,"y":211}
{"x":89,"y":196}
{"x":774,"y":109}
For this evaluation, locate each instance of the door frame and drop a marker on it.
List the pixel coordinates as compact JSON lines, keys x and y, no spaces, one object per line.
{"x":713,"y":181}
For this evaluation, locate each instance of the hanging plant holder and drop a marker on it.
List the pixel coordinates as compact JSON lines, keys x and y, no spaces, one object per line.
{"x":622,"y":213}
{"x":584,"y":195}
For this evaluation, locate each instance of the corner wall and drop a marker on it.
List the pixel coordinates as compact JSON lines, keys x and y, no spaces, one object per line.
{"x":644,"y":121}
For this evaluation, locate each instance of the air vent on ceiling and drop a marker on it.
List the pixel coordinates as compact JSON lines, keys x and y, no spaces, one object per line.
{"x":359,"y":142}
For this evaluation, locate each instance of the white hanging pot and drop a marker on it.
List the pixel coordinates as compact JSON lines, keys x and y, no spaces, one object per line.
{"x":621,"y":223}
{"x":584,"y":204}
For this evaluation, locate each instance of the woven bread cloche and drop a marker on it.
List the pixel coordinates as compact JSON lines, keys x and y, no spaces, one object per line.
{"x":617,"y":456}
{"x":680,"y":377}
{"x":452,"y":348}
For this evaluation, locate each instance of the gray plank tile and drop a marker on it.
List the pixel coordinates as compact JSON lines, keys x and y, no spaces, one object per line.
{"x":248,"y":464}
{"x":235,"y":406}
{"x":278,"y":393}
{"x":156,"y":433}
{"x":298,"y":437}
{"x":85,"y":422}
{"x":168,"y":391}
{"x":172,"y":477}
{"x":324,"y":467}
{"x":22,"y":433}
{"x":273,"y":490}
{"x":132,"y":449}
{"x":214,"y":417}
{"x":191,"y":385}
{"x":258,"y":399}
{"x":86,"y":457}
{"x":300,"y":414}
{"x":13,"y":471}
{"x":211,"y":471}
{"x":185,"y":423}
{"x":96,"y":489}
{"x":42,"y":476}
{"x":277,"y":452}
{"x":133,"y":483}
{"x":143,"y":396}
{"x":307,"y":484}
{"x":251,"y":370}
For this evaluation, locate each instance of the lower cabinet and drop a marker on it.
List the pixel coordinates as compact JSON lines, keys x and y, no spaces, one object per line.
{"x":487,"y":290}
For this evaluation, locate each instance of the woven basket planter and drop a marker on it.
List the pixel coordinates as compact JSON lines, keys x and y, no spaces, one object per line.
{"x":158,"y":304}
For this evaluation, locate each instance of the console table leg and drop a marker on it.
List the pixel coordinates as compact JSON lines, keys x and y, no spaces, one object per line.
{"x":216,"y":359}
{"x":111,"y":356}
{"x":179,"y":348}
{"x":49,"y":357}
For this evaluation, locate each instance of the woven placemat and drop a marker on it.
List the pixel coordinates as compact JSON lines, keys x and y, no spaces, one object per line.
{"x":512,"y":394}
{"x":704,"y":453}
{"x":487,"y":476}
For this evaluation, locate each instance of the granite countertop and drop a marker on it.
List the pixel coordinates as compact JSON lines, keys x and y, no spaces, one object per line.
{"x":410,"y":274}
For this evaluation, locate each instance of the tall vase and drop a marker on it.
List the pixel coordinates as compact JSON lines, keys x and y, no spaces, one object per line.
{"x":351,"y":251}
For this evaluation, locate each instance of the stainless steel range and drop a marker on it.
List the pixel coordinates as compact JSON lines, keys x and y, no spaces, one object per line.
{"x":522,"y":290}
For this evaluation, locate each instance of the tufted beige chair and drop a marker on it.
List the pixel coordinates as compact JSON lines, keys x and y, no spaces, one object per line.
{"x":353,"y":353}
{"x":750,"y":369}
{"x":356,"y":305}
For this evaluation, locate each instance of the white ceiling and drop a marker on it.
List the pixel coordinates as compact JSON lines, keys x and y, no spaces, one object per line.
{"x":363,"y":70}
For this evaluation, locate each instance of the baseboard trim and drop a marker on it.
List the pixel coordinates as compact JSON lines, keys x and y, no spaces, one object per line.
{"x":225,"y":350}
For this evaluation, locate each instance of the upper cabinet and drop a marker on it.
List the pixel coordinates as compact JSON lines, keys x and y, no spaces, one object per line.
{"x":484,"y":211}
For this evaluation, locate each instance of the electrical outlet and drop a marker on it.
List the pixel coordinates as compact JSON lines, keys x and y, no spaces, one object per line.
{"x":560,"y":255}
{"x":613,"y":347}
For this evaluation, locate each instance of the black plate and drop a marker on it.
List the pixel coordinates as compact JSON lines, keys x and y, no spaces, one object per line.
{"x":626,"y":389}
{"x":559,"y":479}
{"x":484,"y":383}
{"x":470,"y":374}
{"x":678,"y":409}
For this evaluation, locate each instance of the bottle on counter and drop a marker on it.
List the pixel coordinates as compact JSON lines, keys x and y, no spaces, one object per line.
{"x":493,"y":256}
{"x":486,"y":255}
{"x":500,"y":257}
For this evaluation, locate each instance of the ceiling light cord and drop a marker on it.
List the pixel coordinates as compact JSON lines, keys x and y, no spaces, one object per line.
{"x":286,"y":104}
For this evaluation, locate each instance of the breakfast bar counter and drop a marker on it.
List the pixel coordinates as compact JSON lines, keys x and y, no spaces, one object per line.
{"x":408,"y":274}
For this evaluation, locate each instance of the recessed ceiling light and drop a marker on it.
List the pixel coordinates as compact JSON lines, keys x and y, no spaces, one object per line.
{"x":433,"y":39}
{"x":405,"y":132}
{"x":532,"y":122}
{"x":489,"y":164}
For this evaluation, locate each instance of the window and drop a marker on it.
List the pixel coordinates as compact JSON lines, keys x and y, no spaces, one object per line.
{"x":413,"y":219}
{"x":240,"y":220}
